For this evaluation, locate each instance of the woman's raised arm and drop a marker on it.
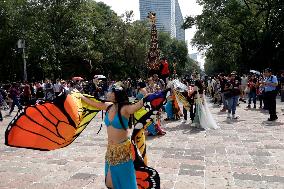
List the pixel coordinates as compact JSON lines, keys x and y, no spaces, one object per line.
{"x":99,"y":105}
{"x":131,"y":109}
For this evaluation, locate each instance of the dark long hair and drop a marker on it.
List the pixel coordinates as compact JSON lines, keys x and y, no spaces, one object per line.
{"x":121,"y":99}
{"x":200,"y":86}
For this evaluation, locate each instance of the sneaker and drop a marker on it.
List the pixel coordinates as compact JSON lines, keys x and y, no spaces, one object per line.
{"x":249,"y":106}
{"x":223,"y":110}
{"x":235,"y":117}
{"x":254,"y":106}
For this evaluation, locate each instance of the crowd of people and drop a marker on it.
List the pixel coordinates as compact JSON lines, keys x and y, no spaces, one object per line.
{"x":227,"y":90}
{"x":190,"y":92}
{"x":230,"y":90}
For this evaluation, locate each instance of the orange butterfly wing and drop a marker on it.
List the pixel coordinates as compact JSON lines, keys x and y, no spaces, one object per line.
{"x":46,"y":126}
{"x":146,"y":177}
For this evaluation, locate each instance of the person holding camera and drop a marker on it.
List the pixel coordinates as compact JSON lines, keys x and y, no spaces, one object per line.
{"x":270,"y":84}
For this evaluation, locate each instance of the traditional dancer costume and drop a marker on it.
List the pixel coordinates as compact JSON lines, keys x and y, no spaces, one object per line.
{"x":203,"y":117}
{"x":58,"y":123}
{"x":118,"y":158}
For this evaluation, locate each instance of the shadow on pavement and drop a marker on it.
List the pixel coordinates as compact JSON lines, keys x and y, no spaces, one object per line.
{"x":272,"y":124}
{"x":221,"y":113}
{"x":230,"y":121}
{"x":185,"y":128}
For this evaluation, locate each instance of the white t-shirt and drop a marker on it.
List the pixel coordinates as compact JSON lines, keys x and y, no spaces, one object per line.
{"x":244,"y":81}
{"x":56,"y":87}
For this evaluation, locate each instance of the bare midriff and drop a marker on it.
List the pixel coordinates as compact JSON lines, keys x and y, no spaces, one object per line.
{"x":117,"y":136}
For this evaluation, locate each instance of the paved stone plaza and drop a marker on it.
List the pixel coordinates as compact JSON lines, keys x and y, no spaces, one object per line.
{"x":247,"y":153}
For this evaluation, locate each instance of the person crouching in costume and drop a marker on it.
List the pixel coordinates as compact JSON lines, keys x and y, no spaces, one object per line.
{"x":155,"y":127}
{"x":119,"y":168}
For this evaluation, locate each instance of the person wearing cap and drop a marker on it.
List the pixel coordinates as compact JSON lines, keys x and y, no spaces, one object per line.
{"x":270,"y":84}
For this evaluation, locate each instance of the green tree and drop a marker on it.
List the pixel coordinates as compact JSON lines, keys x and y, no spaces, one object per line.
{"x":76,"y":38}
{"x":240,"y":35}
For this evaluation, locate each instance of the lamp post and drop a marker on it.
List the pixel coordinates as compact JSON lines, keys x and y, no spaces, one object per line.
{"x":21,"y":45}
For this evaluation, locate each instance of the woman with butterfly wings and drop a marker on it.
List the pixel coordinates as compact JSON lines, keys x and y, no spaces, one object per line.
{"x":119,"y":163}
{"x":50,"y":125}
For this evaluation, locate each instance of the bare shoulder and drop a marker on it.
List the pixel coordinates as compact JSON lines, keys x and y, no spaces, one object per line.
{"x":108,"y":104}
{"x":124,"y":110}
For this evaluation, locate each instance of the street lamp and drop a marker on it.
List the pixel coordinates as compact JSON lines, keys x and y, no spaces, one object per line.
{"x":21,"y":45}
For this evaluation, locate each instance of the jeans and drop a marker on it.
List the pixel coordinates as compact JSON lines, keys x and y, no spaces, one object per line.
{"x":232,"y":104}
{"x":252,"y":95}
{"x":16,"y":102}
{"x":224,"y":101}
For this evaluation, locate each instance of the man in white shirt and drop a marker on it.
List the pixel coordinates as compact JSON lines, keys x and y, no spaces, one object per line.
{"x":244,"y":84}
{"x":57,"y":88}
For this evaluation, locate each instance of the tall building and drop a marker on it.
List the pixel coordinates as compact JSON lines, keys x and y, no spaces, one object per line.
{"x":169,"y":16}
{"x":193,"y":56}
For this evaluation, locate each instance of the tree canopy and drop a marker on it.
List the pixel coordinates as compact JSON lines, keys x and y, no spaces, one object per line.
{"x":80,"y":37}
{"x":240,"y":34}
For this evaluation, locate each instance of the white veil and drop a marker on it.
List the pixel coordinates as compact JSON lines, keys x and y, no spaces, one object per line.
{"x":205,"y":116}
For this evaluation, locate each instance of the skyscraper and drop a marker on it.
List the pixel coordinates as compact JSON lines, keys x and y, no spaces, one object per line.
{"x":169,"y":16}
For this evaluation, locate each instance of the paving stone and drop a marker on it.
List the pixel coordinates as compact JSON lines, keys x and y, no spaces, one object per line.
{"x":191,"y":172}
{"x":259,"y":153}
{"x":58,"y":162}
{"x":274,"y":147}
{"x":247,"y":177}
{"x":273,"y":179}
{"x":192,"y":167}
{"x":250,"y":184}
{"x":84,"y":176}
{"x":247,"y":153}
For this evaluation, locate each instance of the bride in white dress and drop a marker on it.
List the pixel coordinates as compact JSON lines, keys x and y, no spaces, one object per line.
{"x":203,"y":117}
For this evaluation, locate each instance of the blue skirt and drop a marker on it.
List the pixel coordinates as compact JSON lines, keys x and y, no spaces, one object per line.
{"x":123,"y":175}
{"x":152,"y":129}
{"x":169,"y":110}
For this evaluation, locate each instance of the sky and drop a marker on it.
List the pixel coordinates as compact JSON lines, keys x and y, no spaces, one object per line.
{"x":188,"y":8}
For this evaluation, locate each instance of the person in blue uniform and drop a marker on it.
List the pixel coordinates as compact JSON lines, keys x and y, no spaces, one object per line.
{"x":270,"y":84}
